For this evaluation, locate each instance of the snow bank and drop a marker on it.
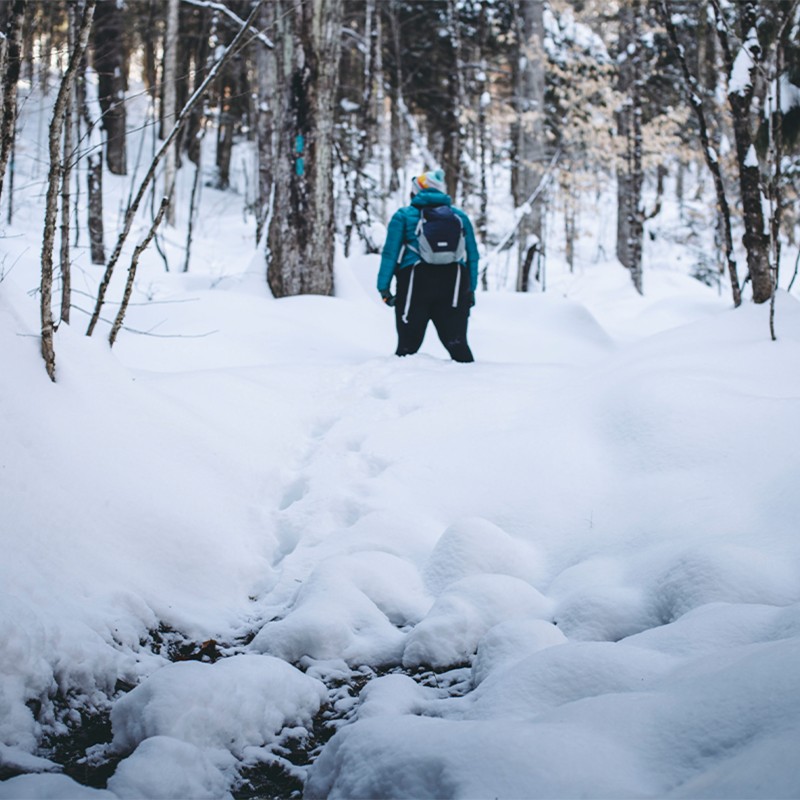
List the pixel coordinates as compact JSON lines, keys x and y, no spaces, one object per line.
{"x":608,"y":721}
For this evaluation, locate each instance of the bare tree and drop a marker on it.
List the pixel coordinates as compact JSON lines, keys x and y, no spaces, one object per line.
{"x":743,"y":99}
{"x":54,"y":182}
{"x":694,"y":95}
{"x":10,"y":65}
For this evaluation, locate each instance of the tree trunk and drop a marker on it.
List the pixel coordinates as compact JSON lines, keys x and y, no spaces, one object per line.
{"x":740,"y":99}
{"x":12,"y":61}
{"x":225,"y":140}
{"x":637,"y":176}
{"x":453,"y":136}
{"x":169,"y":102}
{"x":51,"y":201}
{"x":380,"y":99}
{"x":301,"y":230}
{"x":66,"y":174}
{"x":484,"y":99}
{"x":399,"y":140}
{"x":109,"y":62}
{"x":89,"y":108}
{"x":630,"y":215}
{"x":530,"y":131}
{"x":265,"y":79}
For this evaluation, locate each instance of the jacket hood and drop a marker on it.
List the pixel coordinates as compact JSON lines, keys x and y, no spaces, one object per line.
{"x":431,"y":197}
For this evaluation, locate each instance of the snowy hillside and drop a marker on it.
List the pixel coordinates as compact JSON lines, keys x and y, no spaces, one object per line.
{"x":569,"y":569}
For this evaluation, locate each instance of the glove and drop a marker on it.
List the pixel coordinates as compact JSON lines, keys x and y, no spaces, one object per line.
{"x":388,"y":297}
{"x":471,"y":299}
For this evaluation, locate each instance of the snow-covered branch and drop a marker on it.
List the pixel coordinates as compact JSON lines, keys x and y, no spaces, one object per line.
{"x":223,"y":9}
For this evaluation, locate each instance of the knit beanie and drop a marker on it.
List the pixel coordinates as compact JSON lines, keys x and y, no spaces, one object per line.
{"x":429,"y":180}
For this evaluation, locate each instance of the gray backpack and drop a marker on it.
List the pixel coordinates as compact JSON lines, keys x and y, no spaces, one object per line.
{"x":440,"y":235}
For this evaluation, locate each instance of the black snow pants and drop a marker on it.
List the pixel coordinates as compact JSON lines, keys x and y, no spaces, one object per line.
{"x":433,"y":288}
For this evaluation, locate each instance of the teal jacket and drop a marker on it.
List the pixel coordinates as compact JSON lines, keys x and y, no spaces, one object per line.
{"x":402,"y":231}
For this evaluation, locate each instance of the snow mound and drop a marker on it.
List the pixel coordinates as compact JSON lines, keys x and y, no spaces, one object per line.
{"x":238,"y":702}
{"x":510,"y":641}
{"x":392,"y":695}
{"x":613,"y":722}
{"x":476,"y":546}
{"x":50,"y":787}
{"x":351,"y":607}
{"x":598,"y":600}
{"x":464,"y":612}
{"x":171,"y":769}
{"x":525,"y":688}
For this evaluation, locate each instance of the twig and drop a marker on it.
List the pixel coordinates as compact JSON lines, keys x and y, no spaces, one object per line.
{"x":140,"y":248}
{"x":238,"y":20}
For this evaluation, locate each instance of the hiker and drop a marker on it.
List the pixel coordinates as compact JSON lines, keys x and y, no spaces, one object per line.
{"x":430,"y":250}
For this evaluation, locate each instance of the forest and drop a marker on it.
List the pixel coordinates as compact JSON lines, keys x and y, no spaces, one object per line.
{"x":335,"y":99}
{"x":247,"y":552}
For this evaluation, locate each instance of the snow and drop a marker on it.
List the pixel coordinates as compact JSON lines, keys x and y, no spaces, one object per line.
{"x":740,"y":80}
{"x":569,"y":569}
{"x":790,"y":94}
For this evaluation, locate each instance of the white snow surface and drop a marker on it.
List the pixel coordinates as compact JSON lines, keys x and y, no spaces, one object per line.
{"x":590,"y":534}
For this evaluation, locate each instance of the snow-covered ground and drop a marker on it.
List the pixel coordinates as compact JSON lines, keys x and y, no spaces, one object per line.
{"x":571,"y":569}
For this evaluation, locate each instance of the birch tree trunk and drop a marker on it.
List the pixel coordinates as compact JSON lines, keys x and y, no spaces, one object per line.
{"x":66,"y":173}
{"x":170,"y":103}
{"x":530,"y":132}
{"x":636,"y":231}
{"x":301,"y":231}
{"x":630,"y":215}
{"x":12,"y":61}
{"x":89,"y":108}
{"x":265,"y":72}
{"x":54,"y":178}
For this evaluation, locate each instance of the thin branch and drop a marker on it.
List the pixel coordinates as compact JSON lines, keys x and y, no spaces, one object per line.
{"x":140,"y":248}
{"x":221,"y":7}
